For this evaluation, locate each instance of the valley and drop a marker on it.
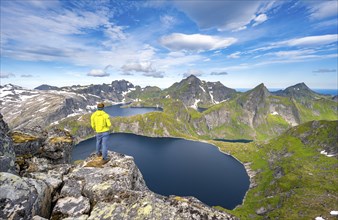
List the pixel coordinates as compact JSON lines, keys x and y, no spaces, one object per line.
{"x":293,"y":132}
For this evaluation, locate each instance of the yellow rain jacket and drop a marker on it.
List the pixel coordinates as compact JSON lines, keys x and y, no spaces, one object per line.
{"x":100,"y":121}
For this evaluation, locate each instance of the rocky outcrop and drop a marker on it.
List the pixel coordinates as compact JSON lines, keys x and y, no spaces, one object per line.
{"x":54,"y":145}
{"x":41,"y":158}
{"x":7,"y":154}
{"x":49,"y":188}
{"x":23,"y":198}
{"x":116,"y":190}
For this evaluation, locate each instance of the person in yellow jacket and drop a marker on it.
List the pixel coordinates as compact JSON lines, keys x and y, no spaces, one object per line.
{"x":100,"y":123}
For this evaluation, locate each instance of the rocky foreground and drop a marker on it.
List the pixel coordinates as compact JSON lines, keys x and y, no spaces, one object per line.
{"x":42,"y":184}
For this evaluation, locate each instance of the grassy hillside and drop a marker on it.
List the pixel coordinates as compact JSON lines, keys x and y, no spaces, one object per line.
{"x":294,"y":180}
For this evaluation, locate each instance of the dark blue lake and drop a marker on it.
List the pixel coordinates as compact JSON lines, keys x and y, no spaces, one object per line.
{"x":172,"y":166}
{"x":120,"y":110}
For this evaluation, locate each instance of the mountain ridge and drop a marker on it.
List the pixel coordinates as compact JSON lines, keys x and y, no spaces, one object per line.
{"x":255,"y":114}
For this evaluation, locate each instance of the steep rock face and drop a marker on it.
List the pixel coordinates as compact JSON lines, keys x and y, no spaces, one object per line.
{"x":116,"y":190}
{"x":7,"y":154}
{"x":54,"y":145}
{"x":194,"y":92}
{"x":254,"y":103}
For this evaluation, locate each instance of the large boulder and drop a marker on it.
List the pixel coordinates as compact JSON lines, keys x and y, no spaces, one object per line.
{"x":23,"y":198}
{"x":7,"y":154}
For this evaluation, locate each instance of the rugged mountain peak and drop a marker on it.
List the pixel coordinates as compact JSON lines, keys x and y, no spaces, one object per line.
{"x":192,"y":78}
{"x":195,"y":92}
{"x":298,"y":91}
{"x":260,"y":90}
{"x":47,"y":87}
{"x":121,"y":85}
{"x":9,"y":87}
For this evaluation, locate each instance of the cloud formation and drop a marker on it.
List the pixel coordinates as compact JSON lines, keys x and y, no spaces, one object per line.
{"x":26,"y":75}
{"x":311,"y":40}
{"x":325,"y":71}
{"x":260,"y":19}
{"x":195,"y":42}
{"x":219,"y":73}
{"x":234,"y":55}
{"x":100,"y":72}
{"x":224,"y":15}
{"x":6,"y":75}
{"x":193,"y":72}
{"x":141,"y":67}
{"x":322,"y":9}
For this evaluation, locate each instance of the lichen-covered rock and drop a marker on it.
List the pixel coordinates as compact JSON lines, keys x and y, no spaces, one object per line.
{"x":71,"y":206}
{"x":116,"y":190}
{"x":58,"y":146}
{"x":23,"y":198}
{"x":148,"y":205}
{"x":25,"y":142}
{"x":100,"y":181}
{"x":39,"y":150}
{"x":7,"y":154}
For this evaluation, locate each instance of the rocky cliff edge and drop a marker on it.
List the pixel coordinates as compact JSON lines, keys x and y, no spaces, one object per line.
{"x":48,"y":187}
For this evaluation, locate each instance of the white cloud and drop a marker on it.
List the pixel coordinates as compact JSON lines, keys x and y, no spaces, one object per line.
{"x":325,"y":71}
{"x":167,"y":21}
{"x":195,"y":42}
{"x":322,"y":9}
{"x":311,"y":40}
{"x":193,"y":72}
{"x":240,"y":29}
{"x":138,"y":67}
{"x":260,"y":19}
{"x":293,"y":53}
{"x":143,"y":67}
{"x":223,"y":15}
{"x":219,"y":73}
{"x":154,"y":74}
{"x":234,"y":55}
{"x":6,"y":75}
{"x":26,"y":75}
{"x":97,"y":73}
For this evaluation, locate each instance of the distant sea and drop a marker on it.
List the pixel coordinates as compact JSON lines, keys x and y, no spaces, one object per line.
{"x":320,"y":91}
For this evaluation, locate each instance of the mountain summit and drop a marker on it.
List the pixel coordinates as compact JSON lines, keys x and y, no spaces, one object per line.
{"x":198,"y":93}
{"x":298,"y":91}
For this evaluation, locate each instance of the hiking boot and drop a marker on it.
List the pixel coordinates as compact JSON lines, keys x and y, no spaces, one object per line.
{"x":99,"y":154}
{"x":104,"y":161}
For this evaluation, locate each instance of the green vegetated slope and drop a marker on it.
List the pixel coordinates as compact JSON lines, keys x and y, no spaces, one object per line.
{"x":256,"y":114}
{"x":293,"y":180}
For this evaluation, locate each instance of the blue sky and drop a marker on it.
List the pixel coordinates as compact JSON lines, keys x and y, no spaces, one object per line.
{"x":240,"y":43}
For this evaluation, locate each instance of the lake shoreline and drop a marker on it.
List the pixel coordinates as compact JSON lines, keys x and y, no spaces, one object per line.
{"x":251,"y":174}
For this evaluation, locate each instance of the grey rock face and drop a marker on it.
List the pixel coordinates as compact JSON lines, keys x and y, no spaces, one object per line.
{"x":7,"y":154}
{"x":71,"y":206}
{"x":23,"y":198}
